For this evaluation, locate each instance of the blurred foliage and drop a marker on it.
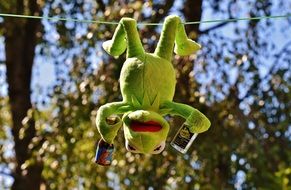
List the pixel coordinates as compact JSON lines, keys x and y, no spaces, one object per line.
{"x":248,"y":145}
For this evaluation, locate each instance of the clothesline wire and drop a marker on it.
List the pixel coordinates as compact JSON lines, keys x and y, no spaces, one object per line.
{"x":143,"y":23}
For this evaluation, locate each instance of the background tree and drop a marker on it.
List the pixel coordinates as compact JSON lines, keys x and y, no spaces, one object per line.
{"x":240,"y":79}
{"x":20,"y":41}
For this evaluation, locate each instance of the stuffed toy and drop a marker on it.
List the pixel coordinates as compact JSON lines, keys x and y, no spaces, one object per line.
{"x":147,"y":83}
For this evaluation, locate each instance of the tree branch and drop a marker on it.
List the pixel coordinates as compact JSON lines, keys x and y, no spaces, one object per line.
{"x":272,"y":69}
{"x":101,"y":5}
{"x":158,"y":16}
{"x":6,"y":174}
{"x":206,"y":31}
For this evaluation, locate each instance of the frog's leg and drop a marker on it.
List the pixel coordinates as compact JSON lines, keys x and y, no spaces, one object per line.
{"x":196,"y":120}
{"x":174,"y":31}
{"x":108,"y":127}
{"x":125,"y":35}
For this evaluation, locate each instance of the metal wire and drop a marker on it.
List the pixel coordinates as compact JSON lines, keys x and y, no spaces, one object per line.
{"x":142,"y":23}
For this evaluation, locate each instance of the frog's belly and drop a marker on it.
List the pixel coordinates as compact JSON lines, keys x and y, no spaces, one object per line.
{"x":152,"y":78}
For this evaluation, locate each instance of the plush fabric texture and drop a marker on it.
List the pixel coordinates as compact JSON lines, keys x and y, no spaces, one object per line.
{"x":147,"y":83}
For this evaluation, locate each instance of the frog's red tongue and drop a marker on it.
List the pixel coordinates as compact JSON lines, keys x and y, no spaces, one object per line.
{"x":149,"y":126}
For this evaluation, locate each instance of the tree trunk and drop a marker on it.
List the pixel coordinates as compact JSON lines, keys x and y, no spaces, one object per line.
{"x":20,"y":42}
{"x":193,"y":12}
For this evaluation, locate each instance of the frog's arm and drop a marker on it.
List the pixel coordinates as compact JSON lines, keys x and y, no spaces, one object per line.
{"x":174,"y":31}
{"x":196,"y":120}
{"x":125,"y":35}
{"x":108,"y":129}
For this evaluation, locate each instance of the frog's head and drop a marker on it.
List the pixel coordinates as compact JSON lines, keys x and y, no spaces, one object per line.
{"x":145,"y":132}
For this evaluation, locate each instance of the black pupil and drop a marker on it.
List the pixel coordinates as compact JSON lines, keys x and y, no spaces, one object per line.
{"x":130,"y":147}
{"x":158,"y":148}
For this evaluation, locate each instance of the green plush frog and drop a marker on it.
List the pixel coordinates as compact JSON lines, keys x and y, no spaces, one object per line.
{"x":147,"y":83}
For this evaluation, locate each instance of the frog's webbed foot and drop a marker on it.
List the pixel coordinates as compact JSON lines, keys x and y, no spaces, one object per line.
{"x":125,"y":36}
{"x":197,"y":121}
{"x":174,"y":32}
{"x":107,"y":120}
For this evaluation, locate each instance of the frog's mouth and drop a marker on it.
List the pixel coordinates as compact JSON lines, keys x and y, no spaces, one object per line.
{"x":149,"y":126}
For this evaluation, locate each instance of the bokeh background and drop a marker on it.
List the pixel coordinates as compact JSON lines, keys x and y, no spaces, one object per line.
{"x":54,"y":75}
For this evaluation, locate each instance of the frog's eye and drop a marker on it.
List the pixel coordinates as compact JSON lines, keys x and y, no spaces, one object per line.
{"x":113,"y":119}
{"x":130,"y":148}
{"x":159,"y":148}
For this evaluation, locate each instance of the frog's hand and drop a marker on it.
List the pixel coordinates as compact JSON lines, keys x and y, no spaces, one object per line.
{"x":197,"y":121}
{"x":109,"y":126}
{"x":125,"y":35}
{"x":174,"y":31}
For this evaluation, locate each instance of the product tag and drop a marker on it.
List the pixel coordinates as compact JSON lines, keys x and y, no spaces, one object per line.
{"x":183,"y":139}
{"x":104,"y":153}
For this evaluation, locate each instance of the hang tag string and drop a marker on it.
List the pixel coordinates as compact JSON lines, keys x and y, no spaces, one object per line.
{"x":143,"y":23}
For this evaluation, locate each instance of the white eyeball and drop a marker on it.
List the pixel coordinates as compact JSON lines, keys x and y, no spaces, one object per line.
{"x":159,"y":148}
{"x":130,"y":148}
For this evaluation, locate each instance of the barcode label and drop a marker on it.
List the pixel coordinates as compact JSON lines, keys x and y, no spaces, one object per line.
{"x":183,"y":137}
